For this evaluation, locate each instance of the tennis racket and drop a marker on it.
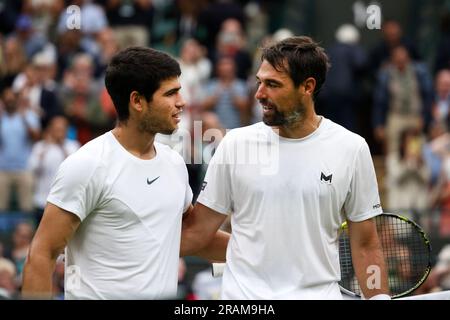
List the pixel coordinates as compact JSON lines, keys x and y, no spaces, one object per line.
{"x":406,"y":250}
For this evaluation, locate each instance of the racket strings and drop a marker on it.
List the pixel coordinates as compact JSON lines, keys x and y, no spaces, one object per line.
{"x":405,"y":250}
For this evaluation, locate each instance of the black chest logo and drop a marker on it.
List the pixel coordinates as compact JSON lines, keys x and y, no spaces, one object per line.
{"x":326,"y":179}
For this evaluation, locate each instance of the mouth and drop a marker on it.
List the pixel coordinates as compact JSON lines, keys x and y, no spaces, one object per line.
{"x":177,"y":116}
{"x":268,"y":108}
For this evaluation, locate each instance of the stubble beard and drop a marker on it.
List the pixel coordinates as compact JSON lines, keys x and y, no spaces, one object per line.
{"x":279,"y":119}
{"x":153,"y":126}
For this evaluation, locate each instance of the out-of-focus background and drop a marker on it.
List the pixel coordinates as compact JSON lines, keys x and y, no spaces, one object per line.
{"x":389,"y":82}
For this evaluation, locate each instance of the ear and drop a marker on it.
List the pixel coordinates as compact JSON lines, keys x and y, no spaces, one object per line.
{"x":310,"y":86}
{"x":135,"y":101}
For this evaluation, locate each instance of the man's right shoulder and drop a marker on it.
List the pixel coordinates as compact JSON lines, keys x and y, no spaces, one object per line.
{"x":90,"y":155}
{"x":247,"y":131}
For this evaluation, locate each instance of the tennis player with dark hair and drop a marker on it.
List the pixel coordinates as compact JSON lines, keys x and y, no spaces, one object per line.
{"x":117,"y":203}
{"x":285,"y":223}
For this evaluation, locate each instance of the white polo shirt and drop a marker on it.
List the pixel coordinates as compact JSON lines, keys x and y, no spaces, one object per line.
{"x":127,"y":245}
{"x":287,"y":199}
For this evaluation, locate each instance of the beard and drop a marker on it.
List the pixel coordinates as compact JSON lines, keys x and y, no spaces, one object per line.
{"x":276,"y":118}
{"x":152,"y":125}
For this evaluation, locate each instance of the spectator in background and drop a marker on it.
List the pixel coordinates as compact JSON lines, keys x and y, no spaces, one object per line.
{"x":92,"y":21}
{"x":440,"y":274}
{"x":46,"y":156}
{"x":8,"y":286}
{"x":21,"y":240}
{"x":185,"y":13}
{"x":45,"y":15}
{"x":108,"y":46}
{"x":80,"y":96}
{"x":19,"y":128}
{"x":14,"y":62}
{"x":441,"y":106}
{"x":408,"y":176}
{"x":231,"y":42}
{"x":442,"y":60}
{"x":32,"y":41}
{"x":434,"y":150}
{"x":195,"y":72}
{"x":69,"y":46}
{"x":37,"y":84}
{"x":211,"y":18}
{"x":227,"y":95}
{"x":392,"y":34}
{"x":402,"y":98}
{"x":131,"y":21}
{"x":342,"y":90}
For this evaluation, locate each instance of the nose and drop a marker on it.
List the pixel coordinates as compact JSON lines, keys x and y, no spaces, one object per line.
{"x":181,"y":103}
{"x":260,"y":92}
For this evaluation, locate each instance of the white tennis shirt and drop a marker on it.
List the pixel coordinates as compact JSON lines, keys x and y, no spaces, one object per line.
{"x":287,"y":199}
{"x":127,"y":245}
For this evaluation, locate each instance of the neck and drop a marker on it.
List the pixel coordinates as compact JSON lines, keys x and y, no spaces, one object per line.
{"x":138,"y":143}
{"x":301,"y":128}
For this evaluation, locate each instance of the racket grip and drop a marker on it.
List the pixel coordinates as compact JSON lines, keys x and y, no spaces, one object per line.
{"x":217,"y":269}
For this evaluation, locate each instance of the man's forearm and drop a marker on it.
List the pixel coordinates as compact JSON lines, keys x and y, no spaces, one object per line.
{"x":37,"y":278}
{"x":213,"y":250}
{"x":370,"y":269}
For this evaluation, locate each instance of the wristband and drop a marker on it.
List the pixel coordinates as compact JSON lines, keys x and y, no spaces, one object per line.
{"x":381,"y":296}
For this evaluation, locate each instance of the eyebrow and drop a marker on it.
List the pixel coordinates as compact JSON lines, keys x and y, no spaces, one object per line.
{"x":173,"y":90}
{"x":269,"y":80}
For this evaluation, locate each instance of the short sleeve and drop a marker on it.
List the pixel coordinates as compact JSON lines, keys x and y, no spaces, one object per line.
{"x":216,"y":191}
{"x":363,"y":200}
{"x":77,"y":186}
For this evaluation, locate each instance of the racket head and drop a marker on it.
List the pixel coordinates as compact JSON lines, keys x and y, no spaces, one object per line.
{"x":407,"y":253}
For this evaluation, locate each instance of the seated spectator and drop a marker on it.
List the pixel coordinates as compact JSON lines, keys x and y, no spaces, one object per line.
{"x":231,"y":42}
{"x":21,"y":239}
{"x":439,"y":278}
{"x":19,"y":128}
{"x":402,"y":98}
{"x":408,"y":176}
{"x":441,"y":105}
{"x":434,"y":150}
{"x":392,"y":36}
{"x":8,"y":287}
{"x":227,"y":95}
{"x":46,"y":156}
{"x":80,"y":95}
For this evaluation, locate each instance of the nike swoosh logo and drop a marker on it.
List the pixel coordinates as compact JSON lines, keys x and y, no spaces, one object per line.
{"x":150,"y":182}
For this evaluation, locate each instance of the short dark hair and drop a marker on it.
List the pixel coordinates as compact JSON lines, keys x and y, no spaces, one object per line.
{"x":137,"y":69}
{"x":304,"y":57}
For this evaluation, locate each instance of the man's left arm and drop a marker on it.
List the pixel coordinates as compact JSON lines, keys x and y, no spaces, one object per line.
{"x":368,"y":259}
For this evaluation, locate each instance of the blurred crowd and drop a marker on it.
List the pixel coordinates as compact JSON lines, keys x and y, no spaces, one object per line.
{"x":53,"y":100}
